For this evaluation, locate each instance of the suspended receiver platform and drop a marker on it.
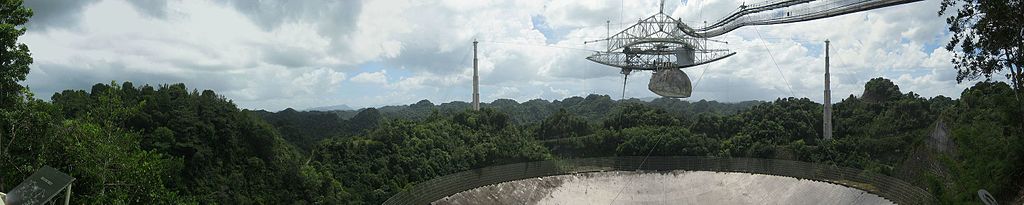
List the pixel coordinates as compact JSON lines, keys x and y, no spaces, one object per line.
{"x":665,"y":45}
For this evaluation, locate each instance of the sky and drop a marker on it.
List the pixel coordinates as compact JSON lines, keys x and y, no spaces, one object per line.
{"x":276,"y":54}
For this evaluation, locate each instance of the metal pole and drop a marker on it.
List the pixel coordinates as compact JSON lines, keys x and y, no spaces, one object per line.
{"x":827,"y":115}
{"x":662,"y":9}
{"x":67,"y":195}
{"x":476,"y":81}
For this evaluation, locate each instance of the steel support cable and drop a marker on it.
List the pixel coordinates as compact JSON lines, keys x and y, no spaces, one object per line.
{"x":781,"y":74}
{"x":642,"y":162}
{"x":700,"y":15}
{"x":700,"y":12}
{"x":638,"y":168}
{"x":551,"y":46}
{"x":656,"y":143}
{"x":622,"y":7}
{"x":538,"y":45}
{"x":765,"y":44}
{"x":701,"y":76}
{"x":462,"y":64}
{"x":839,"y":60}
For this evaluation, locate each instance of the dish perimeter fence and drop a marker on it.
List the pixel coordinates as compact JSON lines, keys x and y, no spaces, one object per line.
{"x":890,"y":188}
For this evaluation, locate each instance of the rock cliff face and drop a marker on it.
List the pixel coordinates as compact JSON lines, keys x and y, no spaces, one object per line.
{"x":677,"y":187}
{"x":925,"y":158}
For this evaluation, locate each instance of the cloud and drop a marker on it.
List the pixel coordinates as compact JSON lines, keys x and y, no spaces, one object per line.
{"x":332,"y":16}
{"x":274,"y":54}
{"x":333,"y":20}
{"x":379,"y":77}
{"x":211,"y":47}
{"x":56,"y":13}
{"x":151,"y":8}
{"x":66,"y":14}
{"x":505,"y":93}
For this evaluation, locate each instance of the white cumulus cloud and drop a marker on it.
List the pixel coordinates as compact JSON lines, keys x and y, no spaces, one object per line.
{"x":379,"y":77}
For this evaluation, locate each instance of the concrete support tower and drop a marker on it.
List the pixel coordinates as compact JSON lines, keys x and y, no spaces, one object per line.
{"x":476,"y":81}
{"x":827,"y":115}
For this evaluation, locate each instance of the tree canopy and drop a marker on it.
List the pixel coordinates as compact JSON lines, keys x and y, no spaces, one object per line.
{"x":987,"y":38}
{"x":14,"y":56}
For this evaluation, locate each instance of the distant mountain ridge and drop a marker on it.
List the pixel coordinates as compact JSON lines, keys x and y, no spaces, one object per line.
{"x":331,"y":108}
{"x":592,"y":107}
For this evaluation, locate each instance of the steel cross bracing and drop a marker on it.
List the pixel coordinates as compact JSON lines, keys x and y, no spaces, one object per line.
{"x":658,"y":27}
{"x":657,"y":43}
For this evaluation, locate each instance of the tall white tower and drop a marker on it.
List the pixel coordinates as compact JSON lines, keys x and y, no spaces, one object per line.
{"x":476,"y":81}
{"x":827,"y":115}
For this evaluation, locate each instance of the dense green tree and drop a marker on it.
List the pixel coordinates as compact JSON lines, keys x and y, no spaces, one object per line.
{"x":21,"y":116}
{"x":990,"y":147}
{"x":634,"y":115}
{"x":367,"y":119}
{"x":14,"y":56}
{"x":400,"y":153}
{"x":106,"y":158}
{"x":305,"y":129}
{"x":988,"y":37}
{"x":111,"y":167}
{"x":225,"y":155}
{"x":879,"y":90}
{"x":29,"y":128}
{"x":563,"y":125}
{"x":665,"y":141}
{"x":784,"y":120}
{"x":157,"y":144}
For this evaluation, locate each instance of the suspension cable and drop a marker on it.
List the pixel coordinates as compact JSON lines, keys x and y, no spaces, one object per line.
{"x":539,"y":45}
{"x":701,"y":76}
{"x":765,"y":44}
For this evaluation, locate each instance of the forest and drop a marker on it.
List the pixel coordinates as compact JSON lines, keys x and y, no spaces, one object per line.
{"x":171,"y":144}
{"x":168,"y":144}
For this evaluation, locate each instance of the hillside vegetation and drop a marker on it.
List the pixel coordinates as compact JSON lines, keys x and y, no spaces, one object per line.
{"x":166,"y":144}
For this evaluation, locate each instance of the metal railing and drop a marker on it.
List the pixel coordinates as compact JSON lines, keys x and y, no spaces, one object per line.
{"x":892,"y":189}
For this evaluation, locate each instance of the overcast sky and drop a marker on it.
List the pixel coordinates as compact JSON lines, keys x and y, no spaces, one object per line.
{"x":273,"y":54}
